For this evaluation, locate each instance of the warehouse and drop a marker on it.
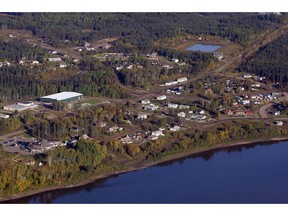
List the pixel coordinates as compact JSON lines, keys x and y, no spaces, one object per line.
{"x":63,"y":96}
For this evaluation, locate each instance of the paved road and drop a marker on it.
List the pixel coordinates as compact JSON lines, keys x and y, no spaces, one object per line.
{"x":263,"y":111}
{"x":16,"y":133}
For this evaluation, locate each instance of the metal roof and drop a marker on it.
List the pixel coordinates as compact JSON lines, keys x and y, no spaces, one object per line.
{"x":63,"y":95}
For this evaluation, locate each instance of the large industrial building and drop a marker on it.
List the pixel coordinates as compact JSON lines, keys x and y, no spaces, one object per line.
{"x":63,"y":96}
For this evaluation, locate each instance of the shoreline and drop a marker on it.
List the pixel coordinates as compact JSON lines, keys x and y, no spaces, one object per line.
{"x":142,"y":165}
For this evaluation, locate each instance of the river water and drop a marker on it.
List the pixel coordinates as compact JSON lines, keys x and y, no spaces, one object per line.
{"x":246,"y":174}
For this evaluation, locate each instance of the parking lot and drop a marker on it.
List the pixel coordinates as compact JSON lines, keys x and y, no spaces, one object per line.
{"x":17,"y":145}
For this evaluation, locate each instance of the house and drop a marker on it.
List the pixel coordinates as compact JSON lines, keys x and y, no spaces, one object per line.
{"x":151,"y":107}
{"x":126,"y":140}
{"x":142,"y":116}
{"x":171,"y":83}
{"x":245,"y":102}
{"x":35,"y":62}
{"x":113,"y":129}
{"x":175,"y":60}
{"x":102,"y":124}
{"x":181,"y":115}
{"x":5,"y":116}
{"x":152,"y":137}
{"x":54,"y":59}
{"x":247,"y":76}
{"x":182,"y":64}
{"x":21,"y":62}
{"x":62,"y":65}
{"x":276,"y":113}
{"x":175,"y":128}
{"x":85,"y":136}
{"x":279,"y":123}
{"x":183,"y":79}
{"x":173,"y":106}
{"x":184,"y":107}
{"x":200,"y":112}
{"x":130,"y":67}
{"x":157,"y":133}
{"x":167,"y":66}
{"x":145,"y":102}
{"x":161,"y":97}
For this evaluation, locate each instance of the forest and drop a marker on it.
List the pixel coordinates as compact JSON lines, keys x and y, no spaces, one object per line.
{"x":270,"y":61}
{"x":139,"y":28}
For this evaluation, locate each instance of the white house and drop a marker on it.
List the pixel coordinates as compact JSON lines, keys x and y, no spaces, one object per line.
{"x":145,"y":102}
{"x":157,"y":133}
{"x":201,"y":112}
{"x":276,"y":113}
{"x":184,"y":107}
{"x":181,"y":115}
{"x":62,"y":65}
{"x":4,"y":116}
{"x":161,"y":97}
{"x":279,"y":123}
{"x":54,"y":59}
{"x":183,"y":79}
{"x":35,"y":62}
{"x":153,"y":137}
{"x":175,"y":128}
{"x":173,"y":106}
{"x":151,"y":107}
{"x":247,"y":76}
{"x":175,"y":60}
{"x":142,"y":116}
{"x":171,"y":83}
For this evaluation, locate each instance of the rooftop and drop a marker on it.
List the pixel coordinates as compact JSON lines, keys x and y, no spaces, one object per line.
{"x":63,"y":95}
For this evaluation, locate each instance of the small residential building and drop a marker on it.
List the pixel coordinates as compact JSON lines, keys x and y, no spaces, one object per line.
{"x":183,"y":79}
{"x":54,"y":59}
{"x":161,"y":97}
{"x":102,"y":124}
{"x":145,"y":102}
{"x":152,"y":137}
{"x":173,"y":106}
{"x":142,"y":116}
{"x":171,"y":83}
{"x":200,"y":112}
{"x":276,"y":113}
{"x":151,"y":107}
{"x":175,"y":60}
{"x":113,"y":129}
{"x":175,"y":128}
{"x":35,"y":62}
{"x":279,"y":123}
{"x":247,"y":76}
{"x":62,"y":65}
{"x":157,"y":133}
{"x":181,"y":115}
{"x":85,"y":136}
{"x":126,"y":140}
{"x":184,"y":107}
{"x":5,"y":116}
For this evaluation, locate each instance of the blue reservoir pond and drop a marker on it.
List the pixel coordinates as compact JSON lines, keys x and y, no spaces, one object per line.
{"x":245,"y":174}
{"x":204,"y":47}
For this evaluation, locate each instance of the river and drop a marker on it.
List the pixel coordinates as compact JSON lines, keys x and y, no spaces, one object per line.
{"x":242,"y":174}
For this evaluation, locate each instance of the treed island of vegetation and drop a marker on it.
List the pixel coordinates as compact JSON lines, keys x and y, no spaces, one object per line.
{"x":146,"y":98}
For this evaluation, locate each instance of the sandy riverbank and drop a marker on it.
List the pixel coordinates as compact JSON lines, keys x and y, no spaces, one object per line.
{"x":142,"y":165}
